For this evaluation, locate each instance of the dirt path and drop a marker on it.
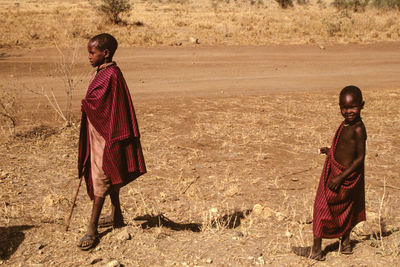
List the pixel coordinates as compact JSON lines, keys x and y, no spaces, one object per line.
{"x":205,"y":70}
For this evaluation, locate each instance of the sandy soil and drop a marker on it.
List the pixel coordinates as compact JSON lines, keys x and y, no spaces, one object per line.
{"x":230,"y":137}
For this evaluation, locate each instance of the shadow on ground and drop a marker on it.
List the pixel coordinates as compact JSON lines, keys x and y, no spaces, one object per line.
{"x":229,"y":221}
{"x":10,"y":239}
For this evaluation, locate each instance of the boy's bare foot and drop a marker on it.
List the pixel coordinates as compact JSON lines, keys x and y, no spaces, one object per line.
{"x":308,"y":253}
{"x":345,"y":245}
{"x":346,"y":249}
{"x":107,"y":221}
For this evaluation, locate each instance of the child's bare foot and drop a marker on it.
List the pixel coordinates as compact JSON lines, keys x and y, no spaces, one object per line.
{"x":108,"y":221}
{"x":345,"y":245}
{"x":346,"y":250}
{"x":308,"y":253}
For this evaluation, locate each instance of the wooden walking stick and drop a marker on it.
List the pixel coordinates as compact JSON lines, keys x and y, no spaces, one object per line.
{"x":73,"y":204}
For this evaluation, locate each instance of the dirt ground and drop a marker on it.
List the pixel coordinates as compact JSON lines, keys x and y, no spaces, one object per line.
{"x":230,"y":138}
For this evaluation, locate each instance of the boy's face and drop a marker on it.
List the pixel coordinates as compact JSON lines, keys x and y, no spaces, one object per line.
{"x":96,"y":56}
{"x":350,"y":107}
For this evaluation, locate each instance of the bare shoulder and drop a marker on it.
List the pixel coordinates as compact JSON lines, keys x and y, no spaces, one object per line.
{"x":360,"y":131}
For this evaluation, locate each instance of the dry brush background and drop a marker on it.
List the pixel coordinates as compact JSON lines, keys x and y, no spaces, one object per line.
{"x":212,"y":22}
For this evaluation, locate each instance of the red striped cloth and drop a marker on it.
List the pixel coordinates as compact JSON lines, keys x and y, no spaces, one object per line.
{"x":108,"y":106}
{"x":336,"y":213}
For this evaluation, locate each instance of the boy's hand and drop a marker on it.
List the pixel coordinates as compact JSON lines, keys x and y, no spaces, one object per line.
{"x":324,"y":150}
{"x":335,"y":183}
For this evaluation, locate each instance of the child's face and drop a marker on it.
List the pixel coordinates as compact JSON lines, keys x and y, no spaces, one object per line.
{"x":96,"y":56}
{"x":350,"y":107}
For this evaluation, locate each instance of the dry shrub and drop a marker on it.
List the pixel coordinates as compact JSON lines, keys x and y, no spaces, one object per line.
{"x":354,"y":5}
{"x":285,"y":3}
{"x":113,"y":9}
{"x":387,"y":4}
{"x":173,"y":22}
{"x":8,"y":110}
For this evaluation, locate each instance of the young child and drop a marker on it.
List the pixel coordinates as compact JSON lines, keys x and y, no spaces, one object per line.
{"x":110,"y":154}
{"x":340,"y":201}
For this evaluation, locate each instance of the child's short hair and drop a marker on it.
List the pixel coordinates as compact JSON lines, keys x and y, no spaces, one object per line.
{"x":353,"y":90}
{"x":105,"y":41}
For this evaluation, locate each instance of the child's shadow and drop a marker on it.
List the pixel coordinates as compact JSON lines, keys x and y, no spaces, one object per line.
{"x":10,"y":239}
{"x":229,"y":221}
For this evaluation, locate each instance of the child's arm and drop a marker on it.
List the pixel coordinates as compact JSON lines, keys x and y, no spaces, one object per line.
{"x":360,"y":138}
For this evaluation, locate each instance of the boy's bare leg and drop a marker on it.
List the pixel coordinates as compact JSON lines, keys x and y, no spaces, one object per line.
{"x":116,"y":213}
{"x":96,"y":211}
{"x":317,"y":244}
{"x":91,"y":233}
{"x":346,"y":245}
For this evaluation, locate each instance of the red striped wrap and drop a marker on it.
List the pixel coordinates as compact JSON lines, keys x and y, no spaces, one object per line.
{"x":336,"y":213}
{"x":108,"y":106}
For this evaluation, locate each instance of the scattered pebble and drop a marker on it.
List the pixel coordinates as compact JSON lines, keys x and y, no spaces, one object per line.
{"x":194,"y":40}
{"x":124,"y":236}
{"x":95,"y":260}
{"x":239,"y":234}
{"x":113,"y":263}
{"x":209,"y":261}
{"x":40,"y":246}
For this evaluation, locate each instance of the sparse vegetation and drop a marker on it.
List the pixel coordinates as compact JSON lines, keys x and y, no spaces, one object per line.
{"x":285,"y":3}
{"x":171,"y":23}
{"x":354,"y":5}
{"x":114,"y":9}
{"x":8,"y":110}
{"x":387,"y":4}
{"x":217,"y":193}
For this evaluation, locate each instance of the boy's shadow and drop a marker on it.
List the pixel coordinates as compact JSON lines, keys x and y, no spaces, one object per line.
{"x":229,"y":221}
{"x":10,"y":239}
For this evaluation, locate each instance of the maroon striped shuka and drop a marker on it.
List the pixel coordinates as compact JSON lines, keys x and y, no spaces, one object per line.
{"x":108,"y":106}
{"x":336,"y":213}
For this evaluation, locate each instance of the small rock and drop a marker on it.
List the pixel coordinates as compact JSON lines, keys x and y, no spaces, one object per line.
{"x":239,"y":234}
{"x":209,"y":261}
{"x":178,"y":43}
{"x":257,"y":209}
{"x":124,"y":236}
{"x":113,"y":263}
{"x":233,"y":155}
{"x":95,"y":260}
{"x":194,"y":40}
{"x":40,"y":246}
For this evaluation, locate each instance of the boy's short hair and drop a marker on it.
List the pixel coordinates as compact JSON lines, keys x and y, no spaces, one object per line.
{"x":353,"y":90}
{"x":105,"y":41}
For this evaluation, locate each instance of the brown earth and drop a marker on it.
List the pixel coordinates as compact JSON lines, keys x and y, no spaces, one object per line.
{"x":230,"y":137}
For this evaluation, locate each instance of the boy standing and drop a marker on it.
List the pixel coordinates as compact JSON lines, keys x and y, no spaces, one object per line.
{"x":340,"y":200}
{"x":110,"y":154}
